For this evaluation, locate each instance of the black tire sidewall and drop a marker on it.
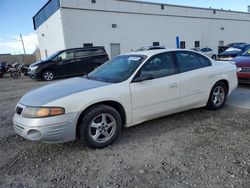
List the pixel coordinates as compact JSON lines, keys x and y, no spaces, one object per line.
{"x":88,"y":118}
{"x":210,"y":104}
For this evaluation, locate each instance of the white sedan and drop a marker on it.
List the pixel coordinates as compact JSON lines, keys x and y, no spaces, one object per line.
{"x":207,"y":51}
{"x":125,"y":91}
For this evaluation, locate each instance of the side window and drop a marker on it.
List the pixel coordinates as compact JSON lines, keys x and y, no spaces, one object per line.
{"x":160,"y":66}
{"x":98,"y":52}
{"x":66,"y":56}
{"x":82,"y":53}
{"x":209,"y":49}
{"x":204,"y":62}
{"x":187,"y":61}
{"x":247,"y":48}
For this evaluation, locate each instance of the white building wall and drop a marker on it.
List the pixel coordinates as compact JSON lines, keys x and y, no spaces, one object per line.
{"x":141,"y":24}
{"x":50,"y":35}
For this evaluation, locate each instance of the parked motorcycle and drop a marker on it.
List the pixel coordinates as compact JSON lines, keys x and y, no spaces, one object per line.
{"x":15,"y":69}
{"x":19,"y":69}
{"x":24,"y":69}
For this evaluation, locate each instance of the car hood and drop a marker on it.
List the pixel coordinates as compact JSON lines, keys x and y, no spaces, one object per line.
{"x":229,"y":53}
{"x":37,"y":63}
{"x":51,"y":92}
{"x":242,"y":61}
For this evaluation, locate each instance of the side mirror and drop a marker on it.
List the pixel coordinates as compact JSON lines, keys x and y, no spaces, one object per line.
{"x":144,"y":77}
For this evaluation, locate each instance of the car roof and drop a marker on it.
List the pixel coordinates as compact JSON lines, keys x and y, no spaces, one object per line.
{"x":154,"y":52}
{"x":83,"y":48}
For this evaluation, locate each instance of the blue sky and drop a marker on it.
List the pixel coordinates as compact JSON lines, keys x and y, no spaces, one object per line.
{"x":16,"y":17}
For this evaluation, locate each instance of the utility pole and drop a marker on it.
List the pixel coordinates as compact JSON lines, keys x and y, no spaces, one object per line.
{"x":22,"y":43}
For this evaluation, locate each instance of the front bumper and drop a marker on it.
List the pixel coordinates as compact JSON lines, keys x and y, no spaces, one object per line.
{"x":34,"y":74}
{"x":224,"y":58}
{"x":244,"y":76}
{"x":57,"y":129}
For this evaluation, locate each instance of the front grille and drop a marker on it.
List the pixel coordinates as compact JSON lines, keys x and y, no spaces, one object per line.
{"x":19,"y":110}
{"x":18,"y":129}
{"x":245,"y":69}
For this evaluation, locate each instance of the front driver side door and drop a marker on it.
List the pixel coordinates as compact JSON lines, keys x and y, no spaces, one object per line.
{"x":159,"y":96}
{"x":66,"y":63}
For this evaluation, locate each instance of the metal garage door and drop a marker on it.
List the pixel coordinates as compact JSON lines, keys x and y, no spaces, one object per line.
{"x":115,"y":49}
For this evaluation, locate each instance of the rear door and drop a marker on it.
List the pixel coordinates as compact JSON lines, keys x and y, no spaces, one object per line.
{"x":159,"y":96}
{"x":99,"y":56}
{"x":84,"y":61}
{"x":195,"y":78}
{"x":115,"y":49}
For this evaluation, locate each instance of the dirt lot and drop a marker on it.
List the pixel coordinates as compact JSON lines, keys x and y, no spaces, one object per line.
{"x":197,"y":148}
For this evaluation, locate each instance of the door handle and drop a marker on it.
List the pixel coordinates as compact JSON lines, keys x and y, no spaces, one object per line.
{"x":173,"y":85}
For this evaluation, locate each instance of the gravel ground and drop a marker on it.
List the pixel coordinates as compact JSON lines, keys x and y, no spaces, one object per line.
{"x":197,"y":148}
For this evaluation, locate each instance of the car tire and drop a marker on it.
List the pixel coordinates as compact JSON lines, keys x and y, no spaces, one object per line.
{"x":218,"y":96}
{"x":48,"y":75}
{"x":214,"y":57}
{"x":100,"y":126}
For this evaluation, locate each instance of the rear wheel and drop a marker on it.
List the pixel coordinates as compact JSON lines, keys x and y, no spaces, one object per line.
{"x":214,"y":57}
{"x":217,"y":96}
{"x":48,"y":75}
{"x":100,"y":126}
{"x":15,"y":74}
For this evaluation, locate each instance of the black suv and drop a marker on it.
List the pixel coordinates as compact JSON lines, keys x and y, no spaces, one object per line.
{"x":145,"y":48}
{"x":69,"y":62}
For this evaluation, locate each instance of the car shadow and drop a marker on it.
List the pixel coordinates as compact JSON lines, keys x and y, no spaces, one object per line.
{"x":244,"y":85}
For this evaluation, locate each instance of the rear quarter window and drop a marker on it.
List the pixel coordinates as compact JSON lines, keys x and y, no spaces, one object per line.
{"x":187,"y":61}
{"x":82,"y":54}
{"x":204,"y":62}
{"x":98,"y":52}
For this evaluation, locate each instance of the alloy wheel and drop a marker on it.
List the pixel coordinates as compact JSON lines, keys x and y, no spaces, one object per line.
{"x":102,"y":128}
{"x":48,"y":76}
{"x":218,"y":96}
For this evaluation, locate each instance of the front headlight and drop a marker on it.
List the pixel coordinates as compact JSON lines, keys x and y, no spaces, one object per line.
{"x":33,"y":68}
{"x":42,"y":112}
{"x":239,"y":69}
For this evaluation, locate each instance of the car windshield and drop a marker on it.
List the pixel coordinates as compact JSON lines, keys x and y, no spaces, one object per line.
{"x":246,"y":53}
{"x":52,"y":56}
{"x":117,"y":69}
